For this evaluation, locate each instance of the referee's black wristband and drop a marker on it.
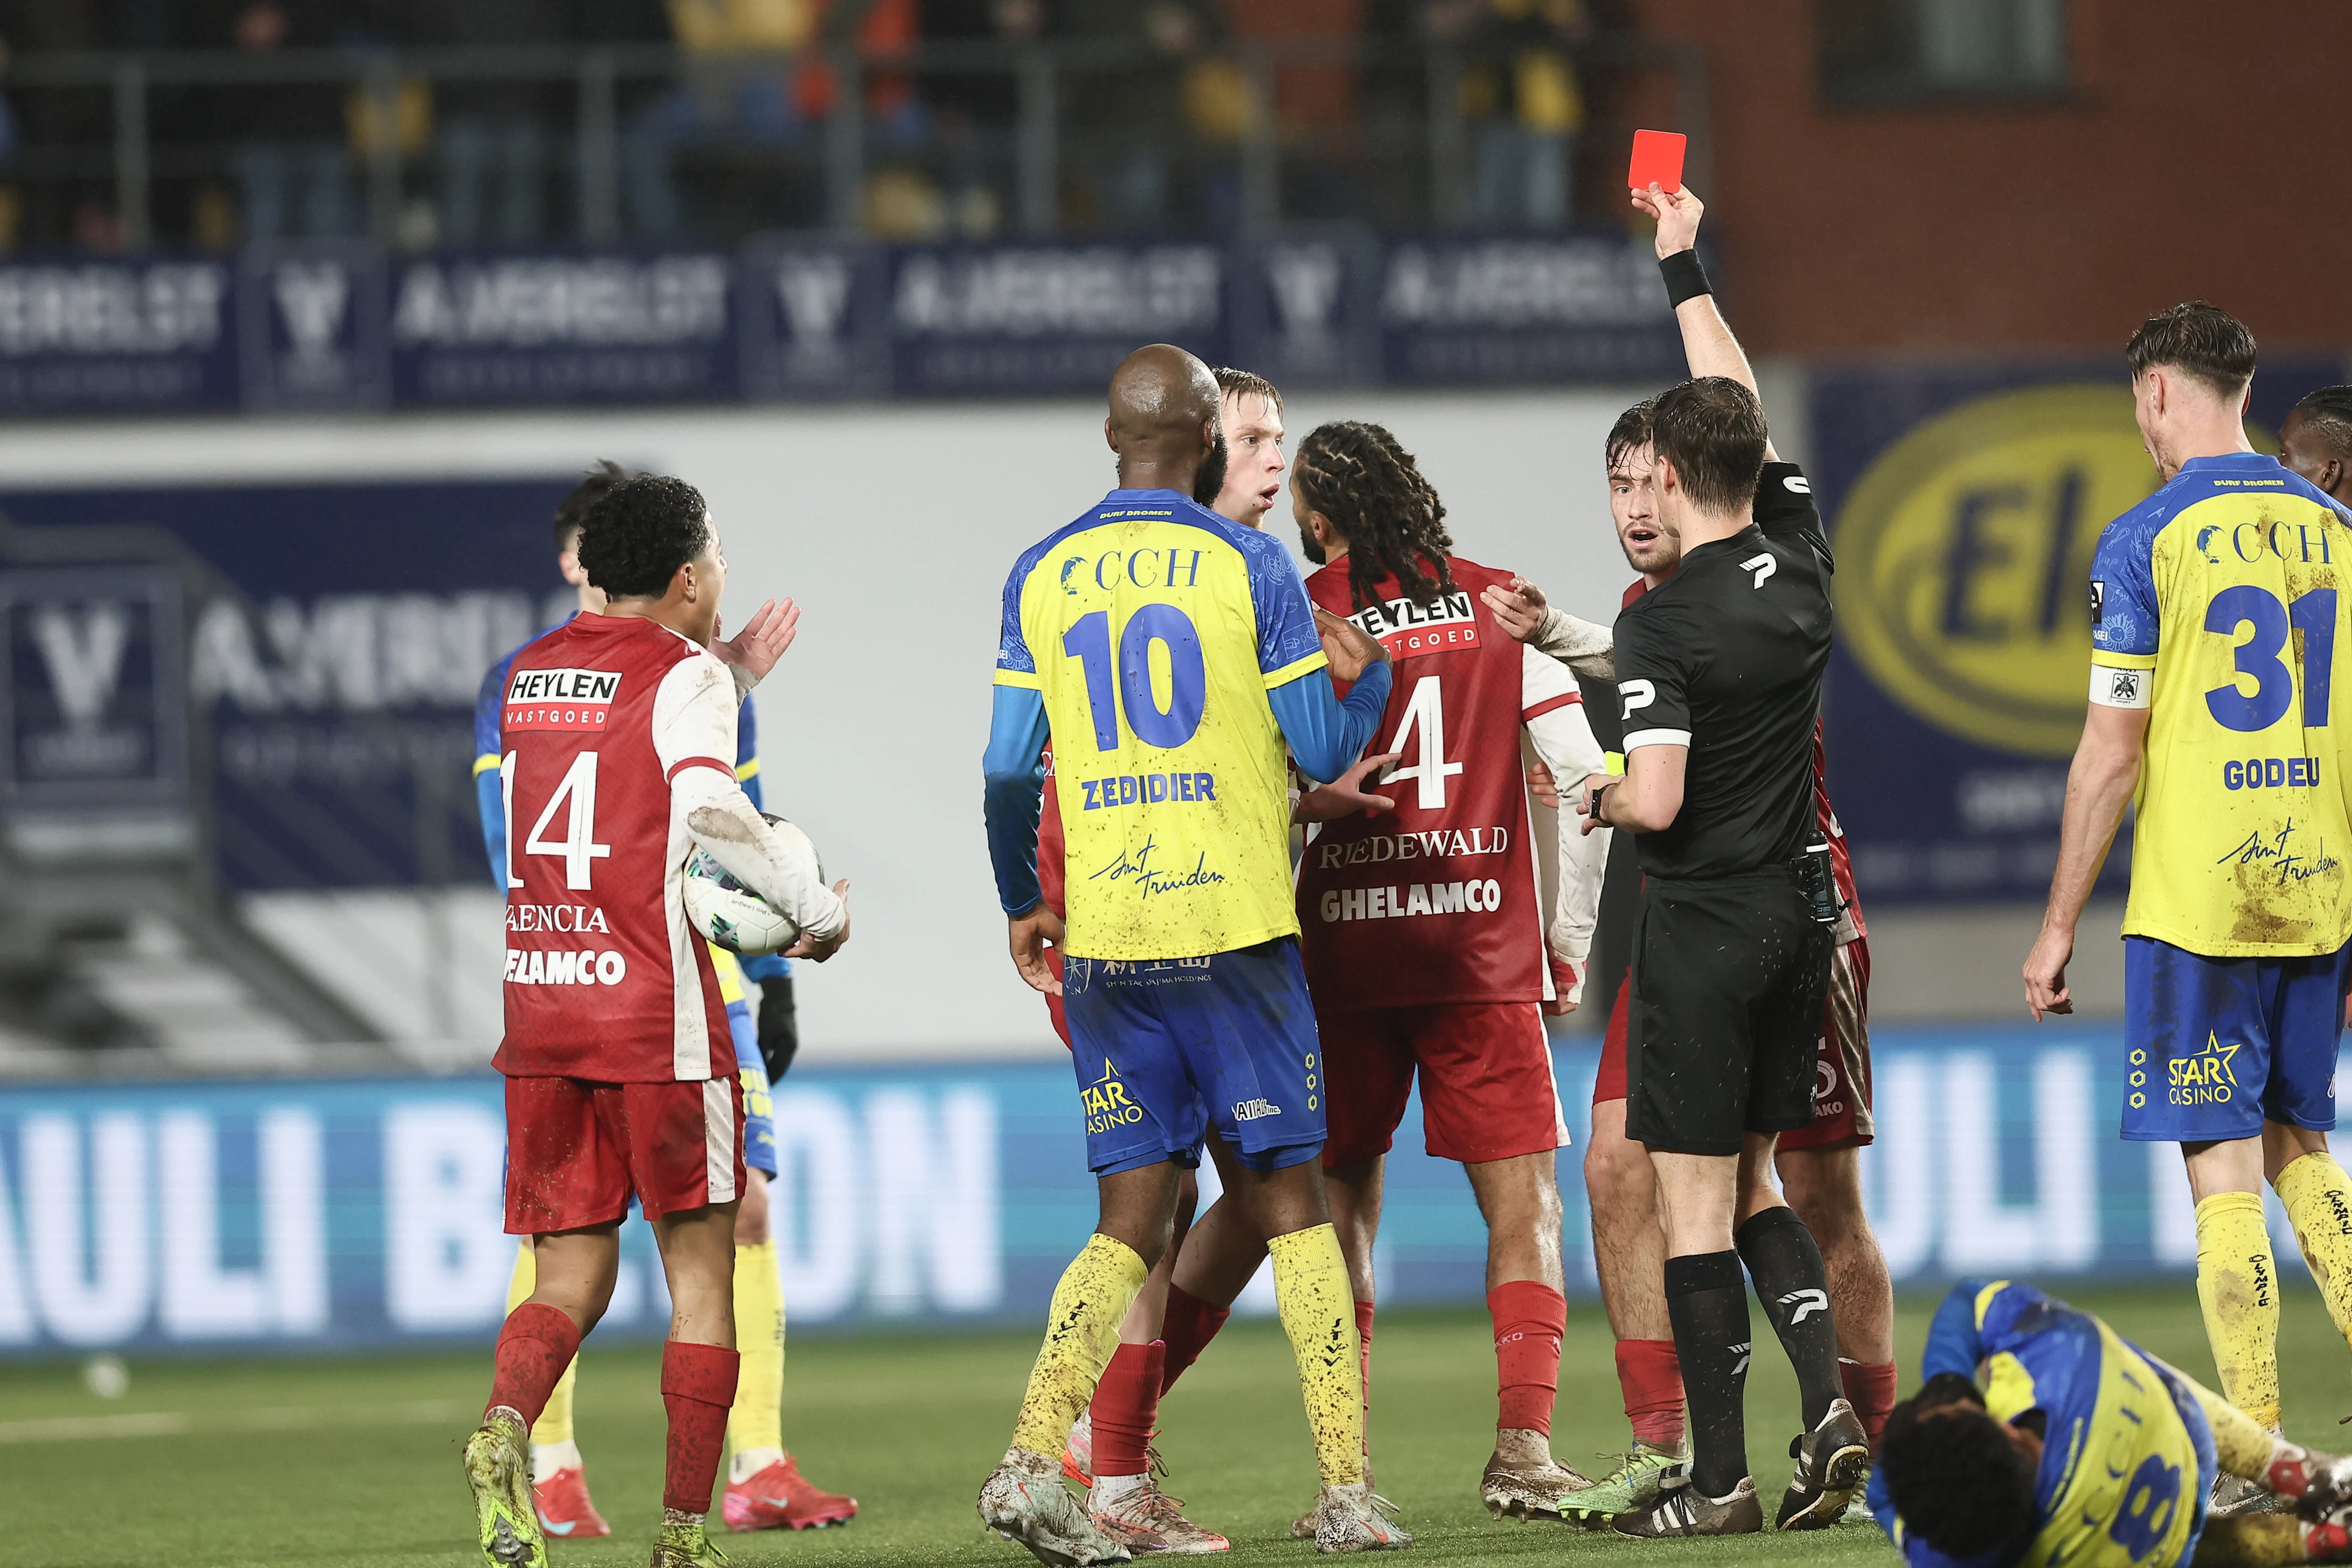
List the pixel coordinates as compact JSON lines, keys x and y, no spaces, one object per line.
{"x":1685,"y":277}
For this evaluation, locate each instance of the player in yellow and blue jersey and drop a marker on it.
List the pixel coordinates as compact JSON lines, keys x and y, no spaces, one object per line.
{"x":2080,"y":1450}
{"x":2222,"y":611}
{"x":1170,"y":655}
{"x":765,"y":1490}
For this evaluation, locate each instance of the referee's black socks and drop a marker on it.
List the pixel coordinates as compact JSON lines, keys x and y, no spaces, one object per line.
{"x":1706,"y":1298}
{"x":1786,"y":1264}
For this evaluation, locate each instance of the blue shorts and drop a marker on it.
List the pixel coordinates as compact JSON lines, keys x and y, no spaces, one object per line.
{"x":2219,"y":1046}
{"x":759,"y":1123}
{"x":1168,"y":1050}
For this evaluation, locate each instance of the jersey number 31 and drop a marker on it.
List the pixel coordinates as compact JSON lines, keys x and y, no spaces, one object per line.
{"x":2313,"y":615}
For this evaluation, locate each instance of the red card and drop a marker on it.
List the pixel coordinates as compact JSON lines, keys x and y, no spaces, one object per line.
{"x":1657,"y":161}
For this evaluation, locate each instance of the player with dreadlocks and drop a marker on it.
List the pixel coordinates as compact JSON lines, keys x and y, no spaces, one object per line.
{"x":1424,"y":937}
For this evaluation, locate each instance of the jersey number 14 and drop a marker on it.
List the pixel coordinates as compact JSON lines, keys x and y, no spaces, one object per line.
{"x":578,"y":847}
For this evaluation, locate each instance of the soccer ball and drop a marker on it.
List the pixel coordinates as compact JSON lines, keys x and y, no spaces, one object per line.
{"x":732,"y":915}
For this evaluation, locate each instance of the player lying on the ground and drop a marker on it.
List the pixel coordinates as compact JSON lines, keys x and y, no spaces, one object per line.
{"x":1181,"y":983}
{"x":2081,"y":1448}
{"x":617,"y":741}
{"x":765,"y":1490}
{"x":1820,"y":1166}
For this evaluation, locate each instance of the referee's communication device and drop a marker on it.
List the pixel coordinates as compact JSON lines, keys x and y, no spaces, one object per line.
{"x":1812,"y":868}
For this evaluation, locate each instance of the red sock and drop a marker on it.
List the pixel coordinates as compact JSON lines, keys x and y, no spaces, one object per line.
{"x":1125,"y":1406}
{"x":1364,"y":1363}
{"x":1529,"y":1318}
{"x":1652,"y":1377}
{"x":697,"y":1385}
{"x":1870,"y":1389}
{"x":1185,"y":1329}
{"x":536,"y":1343}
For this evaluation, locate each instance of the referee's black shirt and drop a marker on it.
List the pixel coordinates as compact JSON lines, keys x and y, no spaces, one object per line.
{"x":1726,"y":657}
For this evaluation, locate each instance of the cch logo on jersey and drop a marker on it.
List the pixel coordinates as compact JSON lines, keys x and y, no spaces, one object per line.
{"x":560,"y":698}
{"x":1405,"y":629}
{"x":1962,"y":553}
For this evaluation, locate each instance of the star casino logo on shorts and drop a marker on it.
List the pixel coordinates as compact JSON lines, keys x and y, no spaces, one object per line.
{"x":1107,"y":1102}
{"x":2205,"y":1076}
{"x":1962,"y":551}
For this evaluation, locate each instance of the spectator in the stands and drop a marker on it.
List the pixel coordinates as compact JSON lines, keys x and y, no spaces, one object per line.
{"x":762,"y":101}
{"x":1137,"y":116}
{"x":491,"y":137}
{"x":293,"y":160}
{"x":978,"y":113}
{"x":1519,"y":90}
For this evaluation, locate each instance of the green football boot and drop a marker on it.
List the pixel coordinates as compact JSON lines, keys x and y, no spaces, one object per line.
{"x":1632,"y":1485}
{"x":686,"y":1546}
{"x":497,"y":1467}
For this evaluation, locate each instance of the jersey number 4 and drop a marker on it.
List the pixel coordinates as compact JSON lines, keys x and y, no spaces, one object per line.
{"x":2313,"y":615}
{"x":1164,"y":626}
{"x":578,"y":847}
{"x":1425,"y":710}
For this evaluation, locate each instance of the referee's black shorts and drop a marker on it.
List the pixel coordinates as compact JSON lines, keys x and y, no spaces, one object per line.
{"x":1730,"y":976}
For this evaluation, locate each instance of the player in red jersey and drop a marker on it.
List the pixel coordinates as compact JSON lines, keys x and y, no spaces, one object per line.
{"x":1425,"y":942}
{"x":1820,"y":1166}
{"x":618,"y":741}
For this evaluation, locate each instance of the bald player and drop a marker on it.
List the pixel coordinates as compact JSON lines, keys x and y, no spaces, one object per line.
{"x":1169,"y":656}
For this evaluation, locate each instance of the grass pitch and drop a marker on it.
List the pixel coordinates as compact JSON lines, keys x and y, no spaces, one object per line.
{"x":207,"y":1464}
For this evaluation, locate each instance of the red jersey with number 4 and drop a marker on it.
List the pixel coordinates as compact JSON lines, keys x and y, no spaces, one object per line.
{"x":604,"y":979}
{"x":1434,"y":902}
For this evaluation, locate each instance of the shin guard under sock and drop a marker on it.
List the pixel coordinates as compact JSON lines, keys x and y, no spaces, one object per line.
{"x":698,"y":1383}
{"x":1529,"y":1320}
{"x":534,"y":1348}
{"x":1786,"y":1264}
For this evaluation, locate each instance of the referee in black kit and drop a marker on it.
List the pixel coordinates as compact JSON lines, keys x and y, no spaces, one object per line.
{"x":1719,"y":678}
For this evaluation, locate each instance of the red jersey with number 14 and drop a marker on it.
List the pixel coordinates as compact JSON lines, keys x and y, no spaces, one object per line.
{"x":1434,"y":902}
{"x":605,"y":977}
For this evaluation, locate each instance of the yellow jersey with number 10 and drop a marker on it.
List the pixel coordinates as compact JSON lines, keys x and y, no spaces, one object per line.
{"x":2221,"y":605}
{"x":1154,"y":629}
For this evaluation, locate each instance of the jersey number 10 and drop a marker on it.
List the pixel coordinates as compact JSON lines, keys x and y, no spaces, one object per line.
{"x":2313,"y":615}
{"x":1088,"y":642}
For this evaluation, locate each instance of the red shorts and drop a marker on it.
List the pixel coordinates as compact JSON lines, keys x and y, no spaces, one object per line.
{"x":1487,"y":1090}
{"x":577,"y":1151}
{"x":1841,"y":1077}
{"x":1054,"y":1003}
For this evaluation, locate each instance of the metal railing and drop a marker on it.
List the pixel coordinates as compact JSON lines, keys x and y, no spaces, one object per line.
{"x":1422,"y":168}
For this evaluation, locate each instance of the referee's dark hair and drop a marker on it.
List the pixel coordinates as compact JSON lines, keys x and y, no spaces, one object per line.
{"x":637,"y":537}
{"x":2201,"y":340}
{"x":2327,"y":414}
{"x":572,"y":512}
{"x":1634,"y":429}
{"x":1954,"y":1478}
{"x":1712,"y":431}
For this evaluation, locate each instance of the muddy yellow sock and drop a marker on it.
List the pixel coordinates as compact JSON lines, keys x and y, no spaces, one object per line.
{"x":2255,"y":1540}
{"x":1081,"y":1332}
{"x":1319,"y":1313}
{"x":2237,"y":1285}
{"x":756,"y":1419}
{"x":2319,"y":1199}
{"x":2242,"y":1444}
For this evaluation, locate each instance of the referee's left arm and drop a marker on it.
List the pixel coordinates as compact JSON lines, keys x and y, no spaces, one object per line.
{"x":1651,"y":689}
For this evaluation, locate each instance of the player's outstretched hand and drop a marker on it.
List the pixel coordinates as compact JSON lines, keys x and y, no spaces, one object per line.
{"x":1351,"y":648}
{"x":2045,"y":973}
{"x":1677,"y":214}
{"x":1519,"y":611}
{"x":755,"y":649}
{"x":1029,"y":935}
{"x":1543,"y":786}
{"x":1346,"y":796}
{"x":816,"y":949}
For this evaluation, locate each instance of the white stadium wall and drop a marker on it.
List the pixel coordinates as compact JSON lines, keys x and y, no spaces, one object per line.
{"x":894,"y":527}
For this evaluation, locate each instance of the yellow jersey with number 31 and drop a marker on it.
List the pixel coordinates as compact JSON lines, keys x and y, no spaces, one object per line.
{"x":1154,"y":628}
{"x":2220,"y":605}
